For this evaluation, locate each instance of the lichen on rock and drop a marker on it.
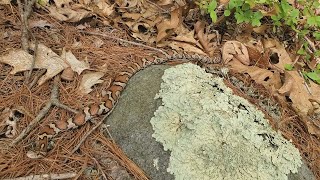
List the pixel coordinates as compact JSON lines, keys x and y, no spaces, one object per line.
{"x":214,"y":134}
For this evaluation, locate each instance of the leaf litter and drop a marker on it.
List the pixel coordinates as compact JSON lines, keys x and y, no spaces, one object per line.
{"x":158,"y":23}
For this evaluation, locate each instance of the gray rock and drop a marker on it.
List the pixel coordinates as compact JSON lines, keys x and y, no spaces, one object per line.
{"x":130,"y":123}
{"x":131,"y":129}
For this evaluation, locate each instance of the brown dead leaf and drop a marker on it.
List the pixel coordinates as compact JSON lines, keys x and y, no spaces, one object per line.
{"x":264,"y":77}
{"x":166,"y":27}
{"x":88,"y":80}
{"x":313,"y":127}
{"x":68,"y":15}
{"x":294,"y":85}
{"x":165,"y":2}
{"x":182,"y":46}
{"x":188,"y":38}
{"x":5,"y":2}
{"x":74,"y":63}
{"x":46,"y":59}
{"x":199,"y":28}
{"x":101,"y":8}
{"x":62,"y":3}
{"x":296,"y":89}
{"x":261,"y":29}
{"x":235,"y":49}
{"x":40,"y":24}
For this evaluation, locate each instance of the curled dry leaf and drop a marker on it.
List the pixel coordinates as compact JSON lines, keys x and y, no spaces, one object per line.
{"x":182,"y":46}
{"x":294,"y":86}
{"x":206,"y":40}
{"x":8,"y":122}
{"x":5,"y":2}
{"x":67,"y":74}
{"x":270,"y":80}
{"x":62,"y":3}
{"x":167,"y":26}
{"x":40,"y":24}
{"x":46,"y":59}
{"x":88,"y":80}
{"x":74,"y":63}
{"x":68,"y":15}
{"x":235,"y":50}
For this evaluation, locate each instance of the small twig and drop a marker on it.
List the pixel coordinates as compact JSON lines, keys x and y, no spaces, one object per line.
{"x":310,"y":43}
{"x":100,"y":168}
{"x":123,"y":40}
{"x":36,"y":78}
{"x":53,"y":101}
{"x":24,"y":26}
{"x":33,"y":60}
{"x":46,"y":176}
{"x":305,"y":83}
{"x":296,"y":60}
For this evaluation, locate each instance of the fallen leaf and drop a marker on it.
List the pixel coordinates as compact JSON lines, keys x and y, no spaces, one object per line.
{"x":237,"y":50}
{"x":88,"y":80}
{"x":188,"y":38}
{"x":62,"y":3}
{"x":40,"y":24}
{"x":68,"y":15}
{"x":74,"y":63}
{"x":166,"y":28}
{"x":46,"y":59}
{"x":208,"y":41}
{"x":185,"y":47}
{"x":264,"y":77}
{"x":5,"y":2}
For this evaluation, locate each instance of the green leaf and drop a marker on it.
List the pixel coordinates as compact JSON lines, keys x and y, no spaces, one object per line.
{"x":213,"y":16}
{"x":316,"y":35}
{"x":212,"y":6}
{"x":288,"y":67}
{"x":301,"y":51}
{"x":314,"y":76}
{"x":312,"y":21}
{"x":239,"y":17}
{"x":227,"y":12}
{"x":245,"y":7}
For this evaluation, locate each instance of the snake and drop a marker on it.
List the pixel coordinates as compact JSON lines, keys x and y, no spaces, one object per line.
{"x":47,"y":132}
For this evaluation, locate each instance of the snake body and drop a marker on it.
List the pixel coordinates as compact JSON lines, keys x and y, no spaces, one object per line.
{"x":113,"y":92}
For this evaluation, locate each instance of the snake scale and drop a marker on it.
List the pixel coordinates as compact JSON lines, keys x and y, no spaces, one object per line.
{"x":51,"y":130}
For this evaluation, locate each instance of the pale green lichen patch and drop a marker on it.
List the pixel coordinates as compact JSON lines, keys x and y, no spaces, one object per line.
{"x":214,"y":134}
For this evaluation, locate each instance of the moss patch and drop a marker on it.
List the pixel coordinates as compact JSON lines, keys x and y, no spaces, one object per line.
{"x":213,"y":134}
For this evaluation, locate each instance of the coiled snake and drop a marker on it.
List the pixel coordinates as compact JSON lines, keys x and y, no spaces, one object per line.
{"x":113,"y":92}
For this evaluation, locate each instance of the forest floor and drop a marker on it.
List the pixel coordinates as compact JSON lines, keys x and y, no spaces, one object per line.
{"x":90,"y":42}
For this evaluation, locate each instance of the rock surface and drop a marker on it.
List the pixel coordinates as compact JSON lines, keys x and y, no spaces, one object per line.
{"x":131,"y":129}
{"x":130,"y":123}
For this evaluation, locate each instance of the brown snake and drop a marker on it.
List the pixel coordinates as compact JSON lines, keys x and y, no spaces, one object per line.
{"x":113,"y":92}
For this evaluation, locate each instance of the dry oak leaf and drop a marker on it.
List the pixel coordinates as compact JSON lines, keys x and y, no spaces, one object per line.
{"x":270,"y":80}
{"x":205,"y":40}
{"x":46,"y":59}
{"x":295,"y":87}
{"x":185,"y":47}
{"x":88,"y":80}
{"x":74,"y":63}
{"x":62,"y":3}
{"x":101,"y":8}
{"x":237,"y":50}
{"x":40,"y":24}
{"x":68,"y":15}
{"x":5,"y":1}
{"x":166,"y":27}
